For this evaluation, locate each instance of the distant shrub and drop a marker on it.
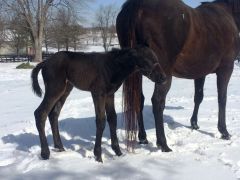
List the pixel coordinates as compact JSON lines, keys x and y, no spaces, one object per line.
{"x":25,"y":66}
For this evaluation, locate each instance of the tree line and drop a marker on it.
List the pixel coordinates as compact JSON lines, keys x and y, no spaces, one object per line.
{"x":52,"y":23}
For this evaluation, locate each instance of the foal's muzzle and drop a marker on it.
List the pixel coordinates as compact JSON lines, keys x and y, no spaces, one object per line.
{"x":157,"y":75}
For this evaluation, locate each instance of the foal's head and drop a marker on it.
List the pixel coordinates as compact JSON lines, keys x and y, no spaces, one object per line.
{"x":148,"y":64}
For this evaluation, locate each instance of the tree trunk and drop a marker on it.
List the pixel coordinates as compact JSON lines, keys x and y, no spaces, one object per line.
{"x":38,"y":50}
{"x":46,"y":46}
{"x":67,"y":44}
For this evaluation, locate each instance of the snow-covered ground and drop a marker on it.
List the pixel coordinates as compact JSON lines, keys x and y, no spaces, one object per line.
{"x":196,"y":154}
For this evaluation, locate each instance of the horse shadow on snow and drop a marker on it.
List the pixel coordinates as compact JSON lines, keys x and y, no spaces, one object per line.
{"x":80,"y":132}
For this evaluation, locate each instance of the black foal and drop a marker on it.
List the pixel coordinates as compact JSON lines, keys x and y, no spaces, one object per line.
{"x":101,"y":74}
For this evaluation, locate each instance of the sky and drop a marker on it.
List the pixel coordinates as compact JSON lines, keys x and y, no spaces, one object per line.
{"x":118,"y":3}
{"x":192,"y":3}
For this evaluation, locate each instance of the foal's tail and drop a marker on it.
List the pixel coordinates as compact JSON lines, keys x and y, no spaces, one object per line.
{"x":34,"y":76}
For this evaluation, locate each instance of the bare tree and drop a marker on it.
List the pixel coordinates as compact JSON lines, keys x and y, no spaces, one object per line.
{"x":2,"y":31}
{"x":19,"y":34}
{"x":65,"y":29}
{"x":35,"y":13}
{"x":105,"y":22}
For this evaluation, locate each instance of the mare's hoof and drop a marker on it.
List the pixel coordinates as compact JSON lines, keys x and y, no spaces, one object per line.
{"x":45,"y":154}
{"x":194,"y":126}
{"x":226,"y":136}
{"x":99,"y":159}
{"x":164,"y":148}
{"x":143,"y":141}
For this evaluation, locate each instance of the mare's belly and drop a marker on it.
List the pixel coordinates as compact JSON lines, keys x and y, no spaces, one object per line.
{"x":194,"y":68}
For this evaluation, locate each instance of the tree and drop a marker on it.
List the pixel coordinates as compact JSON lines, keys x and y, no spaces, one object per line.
{"x":105,"y":22}
{"x":2,"y":31}
{"x":19,"y":36}
{"x":65,"y":29}
{"x":35,"y":13}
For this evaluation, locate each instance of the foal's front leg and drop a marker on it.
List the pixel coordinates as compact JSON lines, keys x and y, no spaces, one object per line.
{"x":99,"y":103}
{"x":112,"y":121}
{"x":158,"y":102}
{"x":142,"y":136}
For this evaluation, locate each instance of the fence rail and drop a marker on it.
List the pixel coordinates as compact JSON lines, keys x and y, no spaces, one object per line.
{"x":20,"y":58}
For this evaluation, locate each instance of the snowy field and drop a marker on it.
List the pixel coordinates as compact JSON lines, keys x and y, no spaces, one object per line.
{"x":197,"y":155}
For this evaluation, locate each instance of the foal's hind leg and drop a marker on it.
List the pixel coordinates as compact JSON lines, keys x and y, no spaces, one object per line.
{"x":99,"y":103}
{"x":198,"y":83}
{"x":223,"y":77}
{"x":53,"y":117}
{"x":112,"y":121}
{"x":53,"y":92}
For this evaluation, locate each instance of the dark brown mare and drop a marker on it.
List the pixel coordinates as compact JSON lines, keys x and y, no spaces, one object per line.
{"x":101,"y":74}
{"x":190,"y":43}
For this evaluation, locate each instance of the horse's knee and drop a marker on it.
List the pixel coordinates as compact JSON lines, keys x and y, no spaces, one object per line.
{"x":40,"y":118}
{"x":100,"y":123}
{"x":222,"y":100}
{"x":199,"y":96}
{"x":56,"y":110}
{"x":111,"y":117}
{"x":158,"y":102}
{"x":142,"y":101}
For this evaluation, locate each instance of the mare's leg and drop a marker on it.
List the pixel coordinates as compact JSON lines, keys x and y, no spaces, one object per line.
{"x":223,"y":76}
{"x":53,"y":93}
{"x":112,"y":121}
{"x":158,"y":102}
{"x":198,"y":97}
{"x":99,"y":103}
{"x":53,"y":117}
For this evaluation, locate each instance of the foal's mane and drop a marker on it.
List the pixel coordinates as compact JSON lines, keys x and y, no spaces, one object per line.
{"x":116,"y":52}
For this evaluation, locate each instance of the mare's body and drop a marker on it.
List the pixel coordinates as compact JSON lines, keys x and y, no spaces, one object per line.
{"x":190,"y":43}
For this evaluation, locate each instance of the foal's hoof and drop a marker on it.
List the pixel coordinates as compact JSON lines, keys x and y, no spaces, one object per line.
{"x":226,"y":136}
{"x":117,"y":150}
{"x":164,"y":148}
{"x":45,"y":154}
{"x":194,"y":126}
{"x":143,"y":141}
{"x":59,"y":149}
{"x":99,"y":159}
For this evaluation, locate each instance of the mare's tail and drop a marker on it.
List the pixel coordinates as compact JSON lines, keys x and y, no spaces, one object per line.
{"x":126,"y":25}
{"x":34,"y":76}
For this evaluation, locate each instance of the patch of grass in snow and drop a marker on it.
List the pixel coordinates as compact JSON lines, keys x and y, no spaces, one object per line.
{"x":25,"y":66}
